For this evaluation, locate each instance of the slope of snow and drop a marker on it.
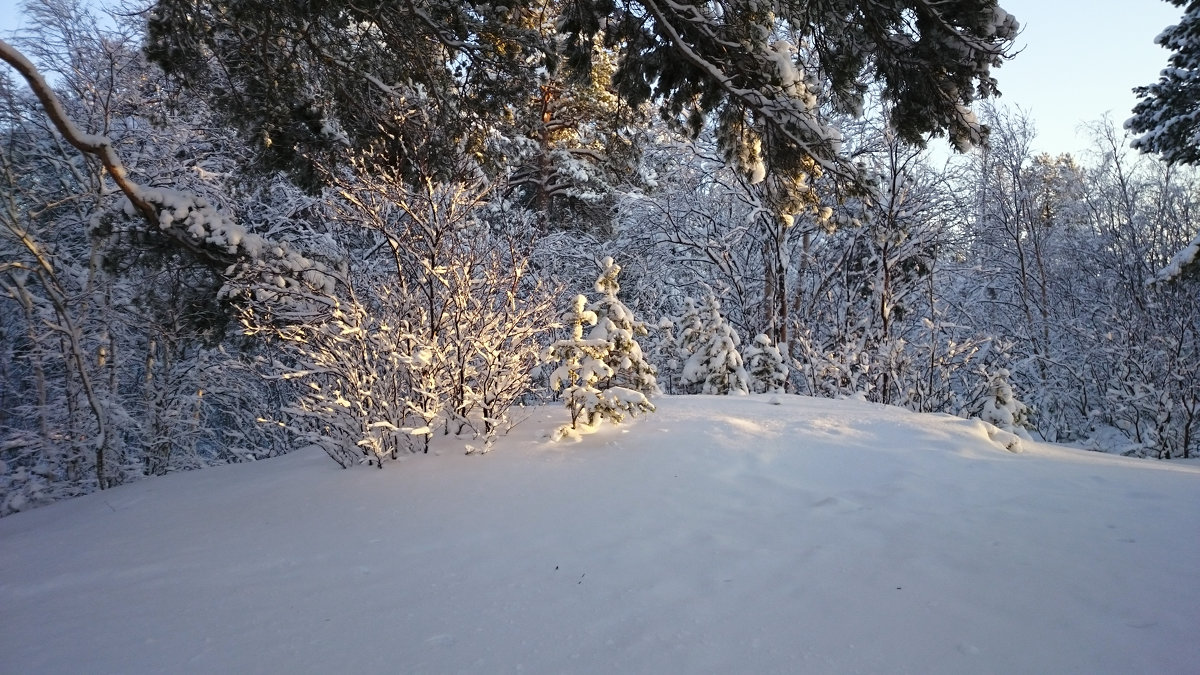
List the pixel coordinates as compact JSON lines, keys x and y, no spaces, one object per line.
{"x":717,"y":535}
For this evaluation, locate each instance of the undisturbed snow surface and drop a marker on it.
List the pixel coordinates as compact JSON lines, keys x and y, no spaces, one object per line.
{"x":717,"y":535}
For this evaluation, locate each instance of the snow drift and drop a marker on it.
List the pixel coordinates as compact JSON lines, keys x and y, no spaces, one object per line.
{"x":743,"y":534}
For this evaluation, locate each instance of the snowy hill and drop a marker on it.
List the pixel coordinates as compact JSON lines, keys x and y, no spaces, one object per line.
{"x":717,"y":535}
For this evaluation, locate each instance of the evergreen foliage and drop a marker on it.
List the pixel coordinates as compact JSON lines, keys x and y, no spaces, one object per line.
{"x":1167,"y":116}
{"x":766,"y":366}
{"x":666,"y":353}
{"x":1001,"y":408}
{"x":616,"y":325}
{"x":581,"y":365}
{"x":605,"y":375}
{"x":425,"y":83}
{"x":715,"y":367}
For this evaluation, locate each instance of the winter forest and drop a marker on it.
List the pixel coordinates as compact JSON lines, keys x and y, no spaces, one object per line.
{"x":237,"y":227}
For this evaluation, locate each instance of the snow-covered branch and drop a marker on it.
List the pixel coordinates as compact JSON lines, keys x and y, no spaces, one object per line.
{"x":92,"y":144}
{"x":784,"y":114}
{"x":1187,"y":259}
{"x":187,"y":219}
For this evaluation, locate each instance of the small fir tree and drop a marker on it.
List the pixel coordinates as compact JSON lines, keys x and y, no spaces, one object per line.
{"x":717,"y":364}
{"x":767,"y":366}
{"x":581,"y":368}
{"x":616,"y":325}
{"x":1002,"y":409}
{"x":666,"y":352}
{"x":691,"y":329}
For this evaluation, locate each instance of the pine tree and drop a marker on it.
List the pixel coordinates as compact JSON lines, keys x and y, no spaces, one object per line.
{"x":691,"y":332}
{"x":666,"y":352}
{"x":615,"y":324}
{"x":1002,"y":409}
{"x":581,"y":368}
{"x":716,"y":365}
{"x":1165,"y":115}
{"x":767,"y":367}
{"x":436,"y":75}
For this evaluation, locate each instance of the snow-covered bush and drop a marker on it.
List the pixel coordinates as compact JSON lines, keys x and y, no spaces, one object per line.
{"x":354,"y":380}
{"x":440,"y":339}
{"x":1001,"y":408}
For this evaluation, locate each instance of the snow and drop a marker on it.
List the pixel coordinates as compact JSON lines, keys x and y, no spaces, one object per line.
{"x":1189,"y":256}
{"x":721,"y":534}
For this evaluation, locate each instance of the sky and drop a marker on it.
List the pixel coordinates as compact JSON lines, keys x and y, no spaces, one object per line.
{"x":1078,"y":60}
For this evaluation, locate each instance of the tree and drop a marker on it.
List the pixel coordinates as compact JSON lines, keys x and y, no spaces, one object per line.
{"x":1144,"y":365}
{"x":378,"y":73}
{"x":573,"y":147}
{"x":615,"y":324}
{"x":581,"y":368}
{"x":666,"y":353}
{"x":1185,"y":263}
{"x":1053,"y":271}
{"x":604,"y":375}
{"x":1167,"y":115}
{"x":766,"y":93}
{"x":1001,"y":408}
{"x":766,"y":366}
{"x":115,"y":282}
{"x":716,"y":364}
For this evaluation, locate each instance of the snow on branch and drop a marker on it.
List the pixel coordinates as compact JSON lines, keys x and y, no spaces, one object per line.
{"x":784,"y":113}
{"x":92,"y":144}
{"x":1186,"y":259}
{"x":187,"y":219}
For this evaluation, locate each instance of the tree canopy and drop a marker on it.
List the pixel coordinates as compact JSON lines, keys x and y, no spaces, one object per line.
{"x":429,"y":80}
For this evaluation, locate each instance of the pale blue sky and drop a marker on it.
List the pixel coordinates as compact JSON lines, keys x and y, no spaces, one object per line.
{"x":1080,"y":60}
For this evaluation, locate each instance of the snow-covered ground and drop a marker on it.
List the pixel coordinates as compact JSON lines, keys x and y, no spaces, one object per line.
{"x":718,"y":535}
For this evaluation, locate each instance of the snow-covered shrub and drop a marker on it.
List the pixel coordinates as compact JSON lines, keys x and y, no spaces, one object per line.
{"x":354,"y":378}
{"x":1001,"y":408}
{"x":1147,"y":411}
{"x":498,"y":317}
{"x":441,"y":339}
